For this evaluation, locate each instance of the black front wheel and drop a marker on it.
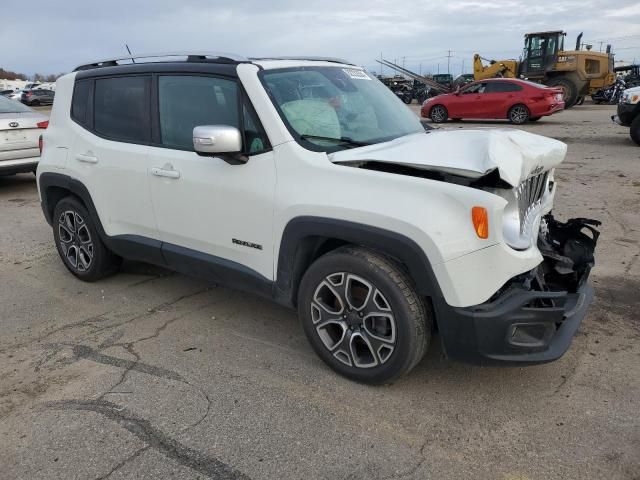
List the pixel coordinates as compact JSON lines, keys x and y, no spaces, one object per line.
{"x":362,"y":315}
{"x":78,"y":242}
{"x":569,"y":90}
{"x":634,"y":130}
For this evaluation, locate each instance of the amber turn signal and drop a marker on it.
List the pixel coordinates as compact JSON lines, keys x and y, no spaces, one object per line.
{"x":480,"y":219}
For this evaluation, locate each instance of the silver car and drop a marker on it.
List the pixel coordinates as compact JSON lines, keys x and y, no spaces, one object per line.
{"x":20,"y":129}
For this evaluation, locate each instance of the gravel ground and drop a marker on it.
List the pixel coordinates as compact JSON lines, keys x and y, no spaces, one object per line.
{"x":150,"y":374}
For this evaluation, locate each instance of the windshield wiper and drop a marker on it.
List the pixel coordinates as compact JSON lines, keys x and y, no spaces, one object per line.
{"x":345,"y":140}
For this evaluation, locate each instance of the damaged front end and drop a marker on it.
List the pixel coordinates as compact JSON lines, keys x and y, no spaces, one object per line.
{"x":533,"y":318}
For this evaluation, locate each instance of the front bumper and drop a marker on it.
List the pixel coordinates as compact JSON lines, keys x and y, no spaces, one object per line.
{"x":535,"y":316}
{"x":626,"y":113}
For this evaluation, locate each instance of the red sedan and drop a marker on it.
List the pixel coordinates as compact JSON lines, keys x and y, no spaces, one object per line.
{"x":518,"y":101}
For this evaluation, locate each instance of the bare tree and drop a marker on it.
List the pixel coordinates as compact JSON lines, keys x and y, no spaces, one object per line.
{"x":9,"y":75}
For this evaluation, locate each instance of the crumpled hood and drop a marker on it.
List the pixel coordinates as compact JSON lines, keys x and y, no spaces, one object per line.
{"x":471,"y":153}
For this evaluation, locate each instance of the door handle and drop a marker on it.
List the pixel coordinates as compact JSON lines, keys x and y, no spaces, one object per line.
{"x":86,"y":158}
{"x":161,"y":172}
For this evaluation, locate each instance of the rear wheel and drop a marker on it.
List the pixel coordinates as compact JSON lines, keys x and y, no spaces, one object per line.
{"x":569,"y":90}
{"x":438,"y":114}
{"x":518,"y":114}
{"x":78,"y":242}
{"x":362,"y":315}
{"x":634,"y":130}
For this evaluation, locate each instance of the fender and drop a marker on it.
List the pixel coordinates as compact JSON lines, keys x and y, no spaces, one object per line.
{"x":303,"y":237}
{"x":47,"y":180}
{"x":132,"y":247}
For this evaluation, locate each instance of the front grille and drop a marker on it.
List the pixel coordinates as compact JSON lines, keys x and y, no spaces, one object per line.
{"x":529,"y":194}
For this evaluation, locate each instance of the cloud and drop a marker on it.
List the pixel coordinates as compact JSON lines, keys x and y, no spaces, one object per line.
{"x":68,"y":33}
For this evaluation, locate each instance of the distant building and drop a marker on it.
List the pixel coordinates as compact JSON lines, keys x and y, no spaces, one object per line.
{"x":25,"y":84}
{"x":12,"y":84}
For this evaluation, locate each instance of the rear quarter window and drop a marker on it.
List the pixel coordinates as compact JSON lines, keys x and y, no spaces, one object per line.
{"x":80,"y":102}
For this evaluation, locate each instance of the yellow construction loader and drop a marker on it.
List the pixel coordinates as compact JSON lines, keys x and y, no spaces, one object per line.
{"x":544,"y":60}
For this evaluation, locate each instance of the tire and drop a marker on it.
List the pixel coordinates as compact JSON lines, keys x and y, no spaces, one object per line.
{"x":79,"y":244}
{"x":580,"y":100}
{"x":35,"y":103}
{"x":634,"y":130}
{"x":569,"y":89}
{"x":340,"y":330}
{"x":438,"y":114}
{"x":518,"y":114}
{"x":407,"y":99}
{"x":534,"y":119}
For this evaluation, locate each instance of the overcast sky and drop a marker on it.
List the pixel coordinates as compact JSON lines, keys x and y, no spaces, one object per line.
{"x":57,"y":36}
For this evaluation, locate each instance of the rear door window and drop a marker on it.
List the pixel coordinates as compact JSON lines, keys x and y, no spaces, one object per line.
{"x":500,"y":87}
{"x":121,"y":108}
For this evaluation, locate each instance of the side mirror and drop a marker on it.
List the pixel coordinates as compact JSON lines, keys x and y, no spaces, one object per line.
{"x":224,"y":141}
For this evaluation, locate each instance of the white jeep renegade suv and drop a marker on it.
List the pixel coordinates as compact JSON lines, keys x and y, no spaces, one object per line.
{"x":307,"y":181}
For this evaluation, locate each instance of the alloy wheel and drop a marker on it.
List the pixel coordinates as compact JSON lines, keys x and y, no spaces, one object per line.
{"x":354,"y":320}
{"x":438,"y":114}
{"x":75,"y":240}
{"x":519,"y":114}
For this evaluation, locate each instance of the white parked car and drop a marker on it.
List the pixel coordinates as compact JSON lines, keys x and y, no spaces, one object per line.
{"x":20,"y":130}
{"x":17,"y":95}
{"x":308,"y":182}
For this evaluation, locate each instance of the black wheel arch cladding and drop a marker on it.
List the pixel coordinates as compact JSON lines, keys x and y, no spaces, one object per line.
{"x":303,"y":236}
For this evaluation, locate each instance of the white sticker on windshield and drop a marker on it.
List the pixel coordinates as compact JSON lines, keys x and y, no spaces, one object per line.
{"x":356,"y":74}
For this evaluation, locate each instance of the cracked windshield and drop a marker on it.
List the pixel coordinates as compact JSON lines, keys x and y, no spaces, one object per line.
{"x":331,"y":108}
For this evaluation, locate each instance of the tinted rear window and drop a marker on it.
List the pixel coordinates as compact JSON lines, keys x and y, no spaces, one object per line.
{"x":121,"y":108}
{"x":80,"y":101}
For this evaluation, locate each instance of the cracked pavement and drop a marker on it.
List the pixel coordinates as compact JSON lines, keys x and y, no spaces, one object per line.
{"x":151,"y":374}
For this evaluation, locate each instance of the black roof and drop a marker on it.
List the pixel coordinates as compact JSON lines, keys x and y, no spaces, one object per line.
{"x":226,"y":69}
{"x":185,"y":62}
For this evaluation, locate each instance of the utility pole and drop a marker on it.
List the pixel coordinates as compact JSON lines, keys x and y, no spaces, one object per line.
{"x":403,"y":59}
{"x":462,"y":70}
{"x":449,"y":62}
{"x":420,"y":68}
{"x":438,"y":69}
{"x":381,"y":65}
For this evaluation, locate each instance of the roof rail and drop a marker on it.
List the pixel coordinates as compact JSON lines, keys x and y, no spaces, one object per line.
{"x":312,"y":58}
{"x":190,"y":57}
